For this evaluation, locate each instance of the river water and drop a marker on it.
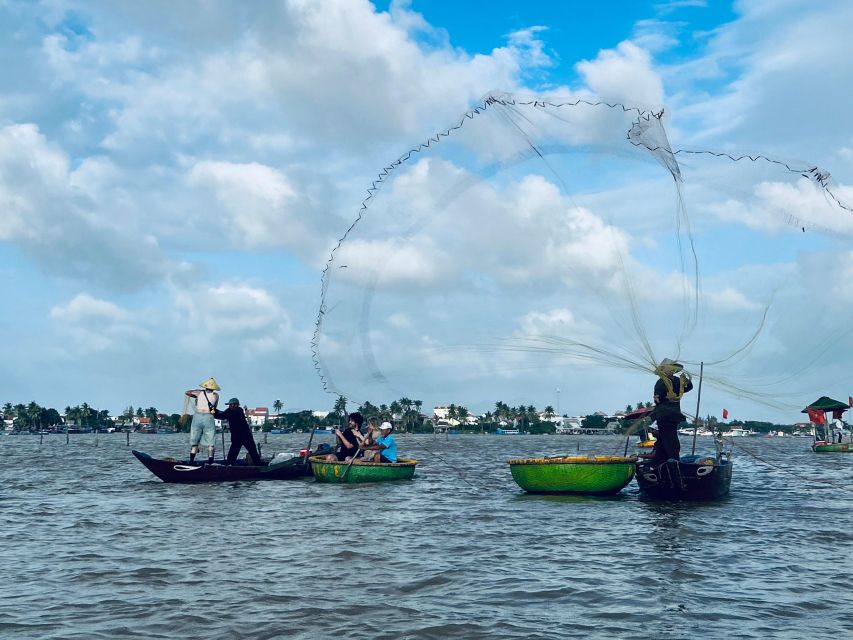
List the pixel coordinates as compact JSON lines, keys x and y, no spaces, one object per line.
{"x":94,"y":546}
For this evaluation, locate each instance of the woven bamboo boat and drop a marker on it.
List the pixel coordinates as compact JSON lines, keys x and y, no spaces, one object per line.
{"x":343,"y":472}
{"x":832,"y":447}
{"x":593,"y":475}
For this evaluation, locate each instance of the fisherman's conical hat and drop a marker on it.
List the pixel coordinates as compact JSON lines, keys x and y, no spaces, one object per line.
{"x":210,"y":385}
{"x":670,"y":366}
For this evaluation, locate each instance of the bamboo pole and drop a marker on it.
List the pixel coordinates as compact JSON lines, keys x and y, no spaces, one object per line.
{"x":698,"y":398}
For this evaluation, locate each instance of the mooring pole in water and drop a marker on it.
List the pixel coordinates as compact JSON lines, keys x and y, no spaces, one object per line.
{"x":41,"y":437}
{"x":265,"y":437}
{"x":127,"y":433}
{"x":698,"y":398}
{"x":66,"y":433}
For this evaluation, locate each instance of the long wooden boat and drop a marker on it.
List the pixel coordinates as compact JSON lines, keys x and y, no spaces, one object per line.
{"x":832,"y":447}
{"x":182,"y":471}
{"x":691,"y":478}
{"x":343,"y":472}
{"x":592,"y":475}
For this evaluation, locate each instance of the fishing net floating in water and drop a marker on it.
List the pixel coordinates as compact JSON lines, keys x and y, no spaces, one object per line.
{"x":545,"y":236}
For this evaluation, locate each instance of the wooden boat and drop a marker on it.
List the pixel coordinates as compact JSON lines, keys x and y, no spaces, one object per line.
{"x":822,"y":429}
{"x":691,"y":478}
{"x":343,"y":472}
{"x":593,"y":475}
{"x":182,"y":471}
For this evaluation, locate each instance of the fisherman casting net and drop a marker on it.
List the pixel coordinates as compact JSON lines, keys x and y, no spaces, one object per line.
{"x":542,"y":240}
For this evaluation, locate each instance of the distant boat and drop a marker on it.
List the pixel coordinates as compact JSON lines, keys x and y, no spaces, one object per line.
{"x":824,"y":434}
{"x":506,"y":432}
{"x":737,"y":432}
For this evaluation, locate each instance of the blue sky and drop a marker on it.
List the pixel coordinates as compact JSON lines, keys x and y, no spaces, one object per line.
{"x":173,"y":178}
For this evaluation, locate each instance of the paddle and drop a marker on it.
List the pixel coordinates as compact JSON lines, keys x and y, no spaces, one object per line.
{"x":349,"y":464}
{"x":308,"y":448}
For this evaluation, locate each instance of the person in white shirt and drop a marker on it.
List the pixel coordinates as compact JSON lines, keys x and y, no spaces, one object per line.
{"x":203,"y":428}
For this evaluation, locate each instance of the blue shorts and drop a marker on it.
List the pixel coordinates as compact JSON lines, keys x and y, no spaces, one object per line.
{"x":203,"y":430}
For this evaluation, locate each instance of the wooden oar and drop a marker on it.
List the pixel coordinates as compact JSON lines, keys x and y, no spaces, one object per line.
{"x":349,"y":464}
{"x":308,"y":448}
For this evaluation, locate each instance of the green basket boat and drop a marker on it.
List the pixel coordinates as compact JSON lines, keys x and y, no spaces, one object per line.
{"x":591,"y":475}
{"x":403,"y":469}
{"x":832,"y":447}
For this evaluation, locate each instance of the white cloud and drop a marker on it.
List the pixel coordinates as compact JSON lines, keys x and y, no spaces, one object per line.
{"x":625,"y":74}
{"x":237,"y":316}
{"x":94,"y":325}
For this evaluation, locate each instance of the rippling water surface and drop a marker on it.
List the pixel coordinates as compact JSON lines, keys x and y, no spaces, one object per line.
{"x":94,"y":546}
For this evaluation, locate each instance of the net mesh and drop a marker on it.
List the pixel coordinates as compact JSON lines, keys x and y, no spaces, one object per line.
{"x":543,"y":235}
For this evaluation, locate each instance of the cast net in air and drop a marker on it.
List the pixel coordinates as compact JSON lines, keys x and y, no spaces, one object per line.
{"x":542,"y":240}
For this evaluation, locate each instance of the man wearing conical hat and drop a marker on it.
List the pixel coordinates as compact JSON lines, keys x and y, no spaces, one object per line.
{"x":203,"y":428}
{"x":667,"y":412}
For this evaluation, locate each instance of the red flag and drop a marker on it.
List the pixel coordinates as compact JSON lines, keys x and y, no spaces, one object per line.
{"x":725,"y":414}
{"x":816,"y":416}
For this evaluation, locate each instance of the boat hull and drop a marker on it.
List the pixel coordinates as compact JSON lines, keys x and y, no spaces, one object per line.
{"x":361,"y":472}
{"x":691,"y":478}
{"x":599,"y":475}
{"x":182,"y":472}
{"x":833,"y":447}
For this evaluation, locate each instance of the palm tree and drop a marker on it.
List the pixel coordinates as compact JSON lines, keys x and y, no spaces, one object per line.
{"x":85,"y":411}
{"x":418,"y":406}
{"x":396,"y":409}
{"x":340,"y":409}
{"x":462,"y":415}
{"x":34,"y":415}
{"x":277,"y":408}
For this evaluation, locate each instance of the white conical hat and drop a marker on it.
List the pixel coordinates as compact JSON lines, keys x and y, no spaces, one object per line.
{"x":670,"y":365}
{"x":210,"y":385}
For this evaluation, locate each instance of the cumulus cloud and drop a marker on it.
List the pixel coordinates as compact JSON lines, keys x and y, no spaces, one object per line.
{"x":625,"y":73}
{"x":94,"y":325}
{"x":237,"y":315}
{"x":65,"y":219}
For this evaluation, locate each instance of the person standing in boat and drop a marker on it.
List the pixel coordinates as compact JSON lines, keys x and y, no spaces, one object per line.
{"x":667,"y":410}
{"x":203,"y":429}
{"x":349,"y":440}
{"x":385,"y":446}
{"x":241,"y":433}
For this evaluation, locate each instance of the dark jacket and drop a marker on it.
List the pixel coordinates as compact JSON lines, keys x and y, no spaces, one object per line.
{"x":665,"y":408}
{"x":236,"y":418}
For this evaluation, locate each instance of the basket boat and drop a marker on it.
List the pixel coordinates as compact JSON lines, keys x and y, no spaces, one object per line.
{"x":403,"y":469}
{"x":832,"y":447}
{"x":593,"y":475}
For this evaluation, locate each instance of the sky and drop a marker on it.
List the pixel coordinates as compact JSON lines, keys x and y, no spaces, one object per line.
{"x":174,"y":176}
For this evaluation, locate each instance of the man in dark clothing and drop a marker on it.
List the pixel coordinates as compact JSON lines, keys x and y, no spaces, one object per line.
{"x":349,"y":440}
{"x":241,"y":434}
{"x":667,"y":412}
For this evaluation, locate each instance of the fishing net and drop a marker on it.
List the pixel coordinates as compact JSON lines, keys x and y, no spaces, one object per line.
{"x":540,"y":239}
